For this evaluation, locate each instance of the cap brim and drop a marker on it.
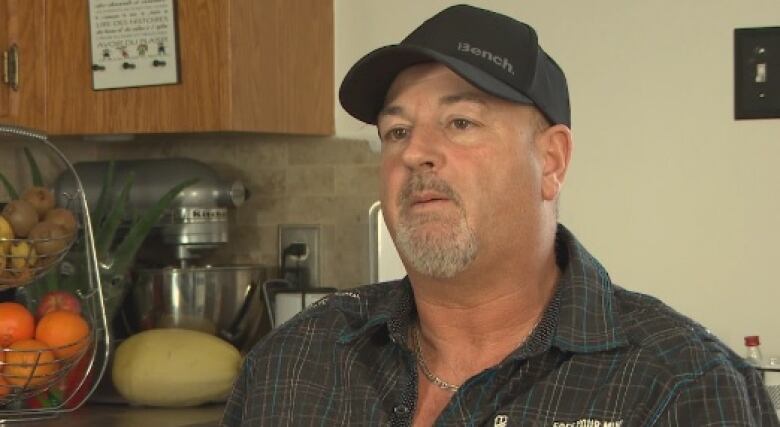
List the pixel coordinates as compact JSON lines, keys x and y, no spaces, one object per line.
{"x":363,"y":90}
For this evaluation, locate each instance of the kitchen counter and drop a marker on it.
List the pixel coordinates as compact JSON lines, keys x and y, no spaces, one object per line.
{"x":103,"y":415}
{"x":93,"y":415}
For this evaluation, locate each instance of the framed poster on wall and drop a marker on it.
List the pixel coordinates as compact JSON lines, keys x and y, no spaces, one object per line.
{"x":133,"y":43}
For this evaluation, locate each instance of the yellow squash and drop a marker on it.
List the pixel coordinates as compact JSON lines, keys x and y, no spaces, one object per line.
{"x":174,"y":367}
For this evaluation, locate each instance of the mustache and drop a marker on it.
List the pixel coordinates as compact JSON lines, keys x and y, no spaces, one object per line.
{"x":418,"y":183}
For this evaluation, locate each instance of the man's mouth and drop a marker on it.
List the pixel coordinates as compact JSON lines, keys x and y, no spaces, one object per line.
{"x":427,"y":198}
{"x":422,"y":193}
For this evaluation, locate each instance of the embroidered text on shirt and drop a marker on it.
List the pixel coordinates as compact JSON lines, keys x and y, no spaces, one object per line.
{"x":587,"y":422}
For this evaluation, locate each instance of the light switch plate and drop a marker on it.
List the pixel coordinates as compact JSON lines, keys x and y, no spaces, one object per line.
{"x":310,"y":236}
{"x":757,"y":73}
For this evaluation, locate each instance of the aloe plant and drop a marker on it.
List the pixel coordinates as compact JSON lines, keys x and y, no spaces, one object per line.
{"x":115,"y":256}
{"x":9,"y":188}
{"x":35,"y":174}
{"x":108,"y":223}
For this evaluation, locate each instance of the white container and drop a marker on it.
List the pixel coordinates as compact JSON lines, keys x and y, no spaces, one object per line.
{"x":771,"y":372}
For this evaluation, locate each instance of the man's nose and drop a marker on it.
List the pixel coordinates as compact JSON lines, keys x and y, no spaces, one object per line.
{"x":423,"y":149}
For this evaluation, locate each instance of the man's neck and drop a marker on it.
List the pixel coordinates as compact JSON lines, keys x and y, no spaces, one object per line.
{"x":471,"y":322}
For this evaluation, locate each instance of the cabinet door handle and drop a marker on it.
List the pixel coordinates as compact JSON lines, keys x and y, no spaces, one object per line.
{"x":11,"y":67}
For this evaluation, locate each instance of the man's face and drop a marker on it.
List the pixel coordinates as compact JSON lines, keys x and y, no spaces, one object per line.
{"x":461,"y":174}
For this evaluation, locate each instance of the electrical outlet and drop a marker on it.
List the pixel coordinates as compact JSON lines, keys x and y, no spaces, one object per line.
{"x":301,"y":266}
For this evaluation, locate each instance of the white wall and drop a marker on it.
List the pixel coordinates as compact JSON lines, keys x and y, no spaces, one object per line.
{"x":674,"y":196}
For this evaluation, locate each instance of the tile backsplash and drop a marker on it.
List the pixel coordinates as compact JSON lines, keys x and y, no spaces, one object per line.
{"x":292,"y":180}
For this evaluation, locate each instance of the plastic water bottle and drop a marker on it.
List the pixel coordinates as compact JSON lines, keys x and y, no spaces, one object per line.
{"x":753,"y":351}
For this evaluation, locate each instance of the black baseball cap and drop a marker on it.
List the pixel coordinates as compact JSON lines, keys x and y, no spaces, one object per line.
{"x":494,"y":52}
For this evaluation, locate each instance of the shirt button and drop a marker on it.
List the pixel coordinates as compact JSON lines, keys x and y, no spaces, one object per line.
{"x":401,"y":410}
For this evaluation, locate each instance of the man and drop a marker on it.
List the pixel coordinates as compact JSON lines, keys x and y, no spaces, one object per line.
{"x":504,"y":319}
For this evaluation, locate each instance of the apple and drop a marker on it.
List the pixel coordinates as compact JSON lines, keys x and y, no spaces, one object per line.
{"x":58,"y":300}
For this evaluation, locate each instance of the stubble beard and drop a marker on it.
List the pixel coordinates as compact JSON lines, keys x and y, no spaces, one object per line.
{"x":438,"y":245}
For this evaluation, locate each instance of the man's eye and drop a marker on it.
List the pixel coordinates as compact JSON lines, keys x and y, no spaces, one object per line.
{"x":395,"y":134}
{"x":462,"y":124}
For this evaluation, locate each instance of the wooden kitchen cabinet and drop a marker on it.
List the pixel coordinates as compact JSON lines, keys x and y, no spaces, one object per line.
{"x":20,"y":24}
{"x":244,"y":65}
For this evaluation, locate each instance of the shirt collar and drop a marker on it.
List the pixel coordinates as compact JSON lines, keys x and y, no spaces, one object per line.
{"x":581,"y":317}
{"x":587,"y":316}
{"x":386,"y":306}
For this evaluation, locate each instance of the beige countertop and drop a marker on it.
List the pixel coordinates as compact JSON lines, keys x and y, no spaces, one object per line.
{"x":105,"y":415}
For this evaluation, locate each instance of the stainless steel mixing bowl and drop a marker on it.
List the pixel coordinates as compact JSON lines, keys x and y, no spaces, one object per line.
{"x":226,"y":301}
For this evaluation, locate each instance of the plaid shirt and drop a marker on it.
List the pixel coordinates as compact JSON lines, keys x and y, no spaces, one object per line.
{"x":600,"y":356}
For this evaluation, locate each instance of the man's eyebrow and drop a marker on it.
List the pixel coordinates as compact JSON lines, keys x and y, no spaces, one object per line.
{"x":390,"y":110}
{"x":474,"y":97}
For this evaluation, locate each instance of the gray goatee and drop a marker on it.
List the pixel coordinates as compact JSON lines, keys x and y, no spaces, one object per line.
{"x":439,"y":245}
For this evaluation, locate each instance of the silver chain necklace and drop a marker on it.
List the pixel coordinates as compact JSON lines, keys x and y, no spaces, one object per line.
{"x":433,"y":378}
{"x":438,"y":382}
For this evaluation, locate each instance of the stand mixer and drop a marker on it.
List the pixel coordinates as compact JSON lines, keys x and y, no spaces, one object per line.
{"x":198,"y":218}
{"x":169,"y":288}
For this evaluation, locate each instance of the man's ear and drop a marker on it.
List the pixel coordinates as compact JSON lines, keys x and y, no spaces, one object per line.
{"x":555,"y":145}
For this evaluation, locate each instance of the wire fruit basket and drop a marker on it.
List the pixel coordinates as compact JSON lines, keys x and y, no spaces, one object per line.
{"x":28,"y":369}
{"x":26,"y":373}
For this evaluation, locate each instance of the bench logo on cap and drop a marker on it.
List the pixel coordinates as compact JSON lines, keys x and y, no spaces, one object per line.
{"x":490,"y":56}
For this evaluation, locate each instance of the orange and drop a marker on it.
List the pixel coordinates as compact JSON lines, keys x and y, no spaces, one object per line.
{"x":16,"y":323}
{"x":29,"y":359}
{"x":64,"y":332}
